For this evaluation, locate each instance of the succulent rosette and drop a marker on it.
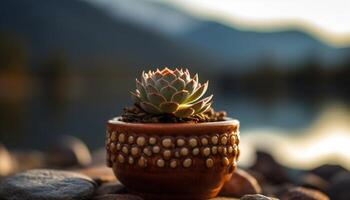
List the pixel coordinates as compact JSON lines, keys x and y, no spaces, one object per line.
{"x":173,"y":92}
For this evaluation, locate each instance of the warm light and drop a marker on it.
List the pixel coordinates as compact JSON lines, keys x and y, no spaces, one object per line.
{"x":327,"y":141}
{"x":329,"y":20}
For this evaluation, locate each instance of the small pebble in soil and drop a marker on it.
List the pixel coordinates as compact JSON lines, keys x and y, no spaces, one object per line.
{"x":241,"y":183}
{"x":300,"y":193}
{"x":256,"y":197}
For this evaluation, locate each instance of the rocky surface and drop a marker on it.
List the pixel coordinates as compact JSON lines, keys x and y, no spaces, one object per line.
{"x":300,"y":193}
{"x":47,"y":185}
{"x":92,"y":179}
{"x":256,"y":197}
{"x":241,"y":183}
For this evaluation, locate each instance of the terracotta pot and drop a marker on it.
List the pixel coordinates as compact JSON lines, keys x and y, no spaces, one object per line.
{"x":173,"y":161}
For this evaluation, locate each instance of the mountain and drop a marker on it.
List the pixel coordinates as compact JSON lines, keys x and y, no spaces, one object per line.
{"x":230,"y":46}
{"x":90,"y":37}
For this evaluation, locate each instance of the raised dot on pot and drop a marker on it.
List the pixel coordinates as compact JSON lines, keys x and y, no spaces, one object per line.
{"x":121,"y":137}
{"x":130,"y":160}
{"x":167,"y":142}
{"x":204,"y":141}
{"x":166,"y":154}
{"x":156,"y":149}
{"x":152,"y":140}
{"x":214,"y":150}
{"x":131,"y":139}
{"x":173,"y":163}
{"x":180,"y":142}
{"x":195,"y":151}
{"x":147,"y":151}
{"x":114,"y":136}
{"x":135,"y":151}
{"x":225,"y":161}
{"x":125,"y":149}
{"x":230,"y":149}
{"x":223,"y":140}
{"x":209,"y":162}
{"x":184,"y":151}
{"x":119,"y":146}
{"x":214,"y":140}
{"x":193,"y":142}
{"x":206,"y":151}
{"x":141,"y":141}
{"x":187,"y":162}
{"x":121,"y":158}
{"x":232,"y":139}
{"x":160,"y":163}
{"x":142,"y":162}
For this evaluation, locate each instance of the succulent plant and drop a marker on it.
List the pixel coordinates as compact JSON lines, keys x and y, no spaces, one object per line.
{"x":171,"y":92}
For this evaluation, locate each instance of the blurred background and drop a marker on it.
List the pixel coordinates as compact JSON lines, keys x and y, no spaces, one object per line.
{"x":281,"y":68}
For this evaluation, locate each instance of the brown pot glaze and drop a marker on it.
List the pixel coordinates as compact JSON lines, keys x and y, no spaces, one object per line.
{"x":173,"y":161}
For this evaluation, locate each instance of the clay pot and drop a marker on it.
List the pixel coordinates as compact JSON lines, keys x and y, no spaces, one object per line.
{"x":173,"y":161}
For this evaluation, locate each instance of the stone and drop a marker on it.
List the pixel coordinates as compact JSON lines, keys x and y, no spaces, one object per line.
{"x":339,"y":188}
{"x":301,"y":193}
{"x":271,"y":170}
{"x":241,"y":183}
{"x":223,"y":198}
{"x":43,"y":184}
{"x":100,"y":174}
{"x":256,"y":197}
{"x":117,"y":197}
{"x":111,"y":188}
{"x":327,"y":171}
{"x":68,"y":151}
{"x":314,"y":181}
{"x":7,"y":163}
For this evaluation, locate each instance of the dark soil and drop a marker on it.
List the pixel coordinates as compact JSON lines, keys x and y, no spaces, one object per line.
{"x":136,"y":115}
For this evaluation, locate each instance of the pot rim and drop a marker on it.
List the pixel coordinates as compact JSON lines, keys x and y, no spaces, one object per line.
{"x":176,"y":128}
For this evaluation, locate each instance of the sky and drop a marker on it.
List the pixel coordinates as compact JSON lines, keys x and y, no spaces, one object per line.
{"x":328,"y":20}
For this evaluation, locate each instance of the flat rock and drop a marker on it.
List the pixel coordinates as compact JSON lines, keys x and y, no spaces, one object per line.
{"x":241,"y":183}
{"x":117,"y":197}
{"x":43,"y":184}
{"x":111,"y":188}
{"x":271,"y":170}
{"x":300,"y":193}
{"x":256,"y":197}
{"x":100,"y":174}
{"x":327,"y":171}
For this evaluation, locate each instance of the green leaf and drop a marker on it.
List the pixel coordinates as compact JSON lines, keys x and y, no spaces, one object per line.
{"x":149,"y":108}
{"x":169,"y":77}
{"x":198,"y":93}
{"x":197,"y":106}
{"x":151,"y":89}
{"x":180,"y":96}
{"x":161,"y":83}
{"x":205,"y":108}
{"x":135,"y":97}
{"x":191,"y":86}
{"x":186,"y":112}
{"x":169,"y":107}
{"x":178,"y":83}
{"x":141,"y":89}
{"x":168,"y":92}
{"x":156,"y":99}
